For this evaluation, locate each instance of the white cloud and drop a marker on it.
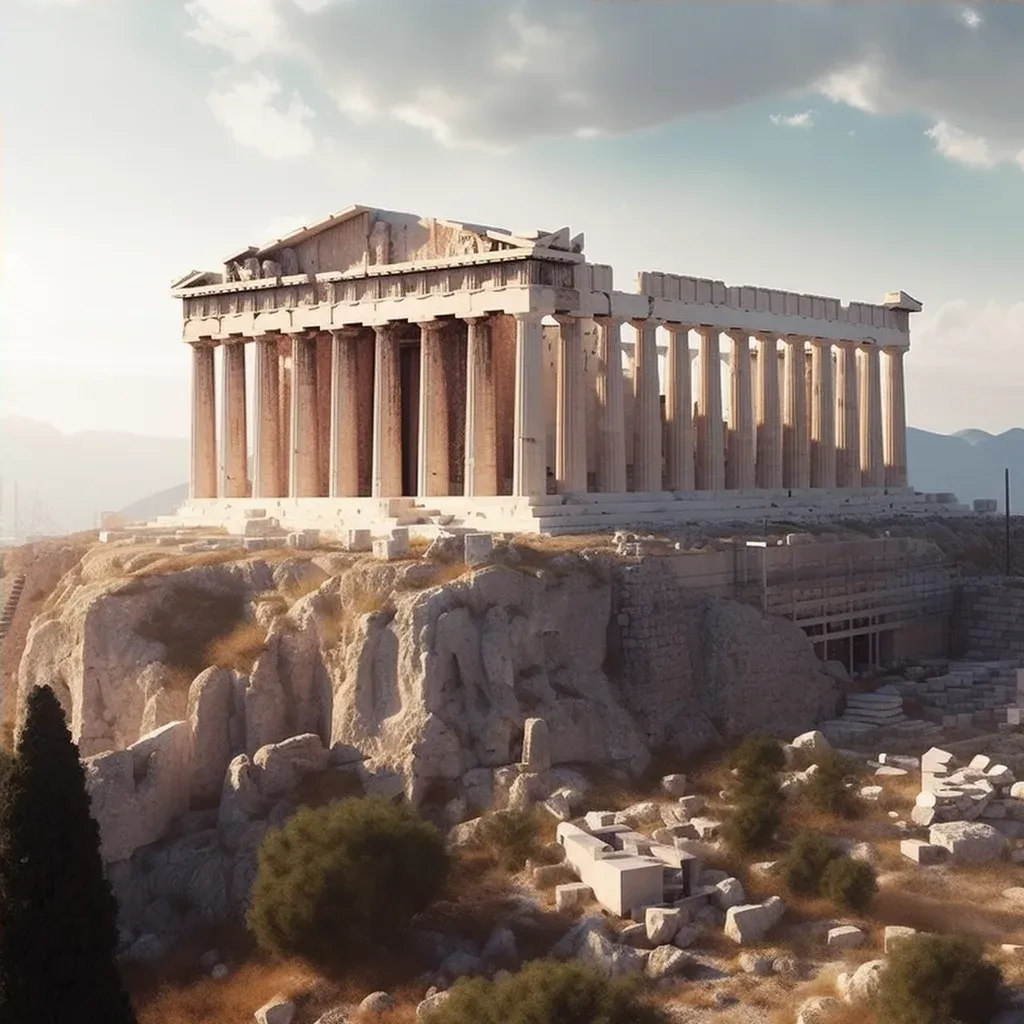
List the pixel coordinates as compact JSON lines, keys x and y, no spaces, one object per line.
{"x":249,"y":110}
{"x":493,"y":75}
{"x":804,"y":120}
{"x":956,"y":144}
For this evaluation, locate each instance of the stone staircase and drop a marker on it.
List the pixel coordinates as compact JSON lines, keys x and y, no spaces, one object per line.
{"x":11,"y":604}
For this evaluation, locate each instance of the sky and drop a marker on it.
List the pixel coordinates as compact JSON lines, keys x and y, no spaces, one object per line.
{"x":835,"y":148}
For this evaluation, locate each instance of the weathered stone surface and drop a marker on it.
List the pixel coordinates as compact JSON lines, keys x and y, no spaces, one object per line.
{"x":283,"y":765}
{"x":862,"y":985}
{"x":240,"y":801}
{"x":845,"y":936}
{"x":572,"y":894}
{"x":430,"y":1006}
{"x":666,"y":962}
{"x":968,"y":842}
{"x":752,"y":922}
{"x":921,"y":852}
{"x":729,"y":893}
{"x":276,"y":1011}
{"x":894,"y":934}
{"x":756,"y":963}
{"x":812,"y":742}
{"x":136,"y":793}
{"x":210,"y":705}
{"x":376,"y":1004}
{"x":662,"y":923}
{"x":674,"y":785}
{"x":610,"y":958}
{"x":817,"y":1010}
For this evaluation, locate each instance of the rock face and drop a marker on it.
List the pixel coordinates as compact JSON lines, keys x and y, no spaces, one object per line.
{"x":968,"y":842}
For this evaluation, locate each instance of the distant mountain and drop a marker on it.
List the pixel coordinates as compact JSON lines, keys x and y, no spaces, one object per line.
{"x":163,"y":504}
{"x":971,"y":463}
{"x":63,"y":481}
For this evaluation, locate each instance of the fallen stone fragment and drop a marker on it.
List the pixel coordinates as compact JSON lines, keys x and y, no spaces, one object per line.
{"x":674,"y":785}
{"x":845,"y":936}
{"x":662,"y":923}
{"x":863,"y":984}
{"x":921,"y":852}
{"x":751,"y":922}
{"x":817,"y":1010}
{"x":896,"y":933}
{"x":666,"y":962}
{"x":968,"y":842}
{"x":572,"y":894}
{"x":276,"y":1011}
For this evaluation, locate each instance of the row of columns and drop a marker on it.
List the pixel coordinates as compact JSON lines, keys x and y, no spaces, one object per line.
{"x":826,"y":428}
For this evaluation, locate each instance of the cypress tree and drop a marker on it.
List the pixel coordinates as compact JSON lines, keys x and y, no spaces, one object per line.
{"x":58,"y":915}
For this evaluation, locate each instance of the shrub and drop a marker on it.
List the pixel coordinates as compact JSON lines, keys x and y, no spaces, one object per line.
{"x":805,"y":862}
{"x":547,"y":992}
{"x":934,"y":979}
{"x":849,"y":883}
{"x":755,"y":820}
{"x":826,"y":789}
{"x":336,"y":878}
{"x":510,"y":837}
{"x":757,"y":757}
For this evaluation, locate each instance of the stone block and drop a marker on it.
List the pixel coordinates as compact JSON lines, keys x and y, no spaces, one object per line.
{"x":536,"y":745}
{"x":599,"y":819}
{"x":357,"y":540}
{"x":674,"y":785}
{"x":662,"y":923}
{"x":752,"y":922}
{"x":477,"y":548}
{"x":896,"y":933}
{"x":968,"y":842}
{"x":572,"y":894}
{"x":812,"y":742}
{"x":845,"y":936}
{"x":728,"y":893}
{"x":281,"y":766}
{"x":921,"y":852}
{"x":303,"y":540}
{"x":691,"y":805}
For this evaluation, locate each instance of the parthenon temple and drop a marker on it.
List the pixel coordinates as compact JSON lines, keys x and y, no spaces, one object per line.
{"x":382,"y":367}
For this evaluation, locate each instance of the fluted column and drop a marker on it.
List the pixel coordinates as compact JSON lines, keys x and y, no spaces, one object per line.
{"x":872,"y":461}
{"x":386,"y":466}
{"x":570,"y":410}
{"x":647,"y":408}
{"x":847,"y":417}
{"x":739,"y":467}
{"x":266,"y":477}
{"x":823,"y":415}
{"x":529,"y":458}
{"x":611,"y":462}
{"x":679,"y":409}
{"x":304,"y":433}
{"x":432,"y":465}
{"x":481,"y":453}
{"x":234,"y":441}
{"x":894,"y":416}
{"x":344,"y":464}
{"x":796,"y":450}
{"x":203,"y":469}
{"x":710,"y":430}
{"x":768,"y":416}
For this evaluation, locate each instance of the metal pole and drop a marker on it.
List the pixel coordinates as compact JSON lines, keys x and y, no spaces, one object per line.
{"x":1006,"y":496}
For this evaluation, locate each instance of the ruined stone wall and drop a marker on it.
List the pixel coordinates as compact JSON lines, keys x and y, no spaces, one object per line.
{"x":694,"y":668}
{"x":989,"y":619}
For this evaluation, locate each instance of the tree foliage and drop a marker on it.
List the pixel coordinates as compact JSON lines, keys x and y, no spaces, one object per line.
{"x":805,"y":862}
{"x":752,"y":824}
{"x":849,"y":884}
{"x":756,"y":757}
{"x":826,"y":789}
{"x":336,"y":878}
{"x":547,"y":992}
{"x":510,"y":836}
{"x":934,"y":979}
{"x":58,"y":916}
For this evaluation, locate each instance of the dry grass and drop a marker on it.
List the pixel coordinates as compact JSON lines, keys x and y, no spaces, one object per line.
{"x":443,"y":573}
{"x":238,"y":649}
{"x":340,"y":615}
{"x":181,"y":563}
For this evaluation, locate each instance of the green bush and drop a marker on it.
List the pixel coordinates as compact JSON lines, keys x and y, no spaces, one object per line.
{"x":826,"y":789}
{"x":757,"y":757}
{"x":934,"y":979}
{"x":547,"y":992}
{"x":756,"y":818}
{"x":510,"y":837}
{"x":849,"y":883}
{"x":805,"y":862}
{"x":336,"y":878}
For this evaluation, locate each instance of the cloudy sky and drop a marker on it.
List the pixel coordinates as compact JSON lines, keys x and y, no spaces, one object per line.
{"x":834,"y":148}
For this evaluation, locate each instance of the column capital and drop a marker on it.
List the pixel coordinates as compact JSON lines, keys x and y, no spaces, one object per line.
{"x":385,"y":330}
{"x":608,"y":322}
{"x":706,"y":330}
{"x":737,"y":335}
{"x":203,"y":343}
{"x":767,"y":335}
{"x":795,"y":339}
{"x":566,"y":319}
{"x":476,"y":318}
{"x":530,"y":316}
{"x":430,"y":324}
{"x":345,"y":330}
{"x":640,"y":322}
{"x":822,"y":342}
{"x":236,"y":339}
{"x":673,"y":327}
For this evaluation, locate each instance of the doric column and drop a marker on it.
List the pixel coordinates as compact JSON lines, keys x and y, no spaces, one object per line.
{"x":679,"y":409}
{"x":432,"y":465}
{"x":647,"y":408}
{"x":203,"y":470}
{"x":304,"y":470}
{"x":570,"y":411}
{"x":386,"y":471}
{"x":481,"y":452}
{"x":710,"y":430}
{"x":739,"y":474}
{"x":234,"y":457}
{"x":611,"y":471}
{"x":344,"y":464}
{"x":823,"y":415}
{"x":796,"y":438}
{"x":266,"y":446}
{"x":529,"y":458}
{"x":769,"y":419}
{"x":847,"y":417}
{"x":872,"y":462}
{"x":894,"y":415}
